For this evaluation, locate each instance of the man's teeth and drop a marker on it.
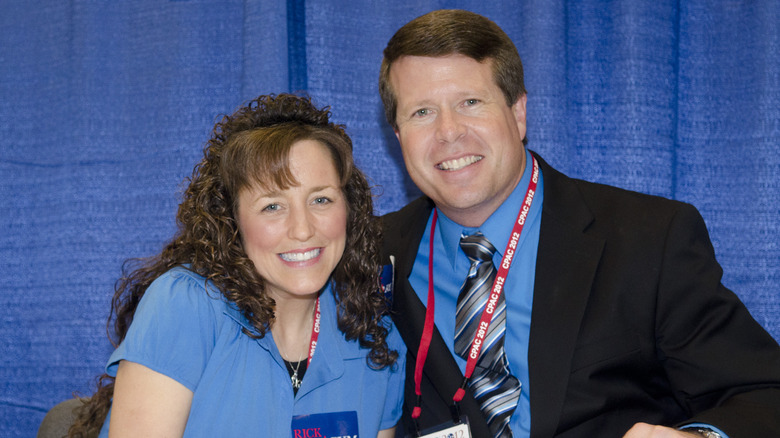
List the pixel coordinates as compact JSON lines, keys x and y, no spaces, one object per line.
{"x":300,"y":256}
{"x":459,"y":163}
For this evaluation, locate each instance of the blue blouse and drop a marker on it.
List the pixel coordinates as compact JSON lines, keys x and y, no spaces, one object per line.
{"x":183,"y":328}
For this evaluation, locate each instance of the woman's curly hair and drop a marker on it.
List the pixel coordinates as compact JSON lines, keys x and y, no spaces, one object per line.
{"x":250,"y":147}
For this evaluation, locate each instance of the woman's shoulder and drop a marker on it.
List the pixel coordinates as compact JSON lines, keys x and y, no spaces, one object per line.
{"x":182,"y":287}
{"x":182,"y":272}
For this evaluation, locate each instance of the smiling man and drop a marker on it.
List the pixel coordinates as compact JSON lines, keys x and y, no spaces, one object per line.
{"x":461,"y":134}
{"x":533,"y":304}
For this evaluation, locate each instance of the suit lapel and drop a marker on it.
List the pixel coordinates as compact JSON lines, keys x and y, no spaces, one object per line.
{"x":403,"y":231}
{"x":565,"y":268}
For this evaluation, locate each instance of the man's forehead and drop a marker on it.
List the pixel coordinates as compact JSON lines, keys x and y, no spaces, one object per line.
{"x":449,"y":69}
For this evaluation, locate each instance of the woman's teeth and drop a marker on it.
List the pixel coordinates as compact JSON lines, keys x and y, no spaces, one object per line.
{"x":300,"y":256}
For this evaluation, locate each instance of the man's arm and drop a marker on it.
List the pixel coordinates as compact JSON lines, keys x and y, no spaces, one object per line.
{"x":723,"y":365}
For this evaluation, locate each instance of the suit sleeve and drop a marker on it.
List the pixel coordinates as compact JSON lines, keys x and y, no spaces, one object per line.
{"x":714,"y":352}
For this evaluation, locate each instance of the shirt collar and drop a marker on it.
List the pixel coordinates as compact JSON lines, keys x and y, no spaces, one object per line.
{"x":498,"y":227}
{"x":330,"y":336}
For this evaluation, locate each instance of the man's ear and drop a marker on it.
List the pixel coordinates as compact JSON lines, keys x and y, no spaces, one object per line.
{"x":518,"y":108}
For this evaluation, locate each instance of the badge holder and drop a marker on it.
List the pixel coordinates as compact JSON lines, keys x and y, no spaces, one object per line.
{"x":458,"y":427}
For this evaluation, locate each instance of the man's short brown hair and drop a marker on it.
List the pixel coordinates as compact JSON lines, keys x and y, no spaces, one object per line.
{"x":450,"y":32}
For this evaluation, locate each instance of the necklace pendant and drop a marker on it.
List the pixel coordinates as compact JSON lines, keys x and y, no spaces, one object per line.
{"x":296,"y":383}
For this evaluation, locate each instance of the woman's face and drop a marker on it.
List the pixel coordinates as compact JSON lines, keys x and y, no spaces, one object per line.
{"x":296,"y":237}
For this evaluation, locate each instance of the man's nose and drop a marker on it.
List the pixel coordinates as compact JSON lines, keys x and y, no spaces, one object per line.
{"x":449,"y":126}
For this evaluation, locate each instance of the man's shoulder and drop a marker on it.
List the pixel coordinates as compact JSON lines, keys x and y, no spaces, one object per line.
{"x":404,"y":228}
{"x":630,"y":199}
{"x":616,"y":208}
{"x":608,"y":205}
{"x":596,"y":190}
{"x":418,"y":209}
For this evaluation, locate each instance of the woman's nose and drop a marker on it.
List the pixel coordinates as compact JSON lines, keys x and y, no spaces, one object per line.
{"x":301,"y":226}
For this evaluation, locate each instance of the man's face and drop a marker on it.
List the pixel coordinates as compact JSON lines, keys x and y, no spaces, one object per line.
{"x":461,"y":142}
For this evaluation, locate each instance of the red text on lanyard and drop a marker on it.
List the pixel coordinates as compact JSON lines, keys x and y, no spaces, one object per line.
{"x":315,"y":331}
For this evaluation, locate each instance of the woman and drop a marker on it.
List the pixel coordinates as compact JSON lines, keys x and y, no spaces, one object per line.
{"x":263,"y":316}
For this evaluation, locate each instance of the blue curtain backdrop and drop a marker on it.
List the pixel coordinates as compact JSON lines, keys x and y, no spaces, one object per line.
{"x":105,"y":107}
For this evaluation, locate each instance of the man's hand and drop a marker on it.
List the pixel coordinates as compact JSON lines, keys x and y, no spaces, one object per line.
{"x":644,"y":430}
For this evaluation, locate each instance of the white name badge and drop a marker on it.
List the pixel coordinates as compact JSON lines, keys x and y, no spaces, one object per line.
{"x":449,"y":430}
{"x":457,"y":431}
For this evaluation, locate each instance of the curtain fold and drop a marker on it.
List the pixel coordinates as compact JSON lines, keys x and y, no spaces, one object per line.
{"x":728,"y":141}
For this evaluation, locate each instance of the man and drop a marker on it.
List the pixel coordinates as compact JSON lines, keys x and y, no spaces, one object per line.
{"x":586,"y":310}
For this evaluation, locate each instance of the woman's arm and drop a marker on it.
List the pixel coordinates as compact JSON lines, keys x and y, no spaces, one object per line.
{"x":147,"y":403}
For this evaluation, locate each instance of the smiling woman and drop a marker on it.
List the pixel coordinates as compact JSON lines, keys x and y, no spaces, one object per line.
{"x":263,"y":313}
{"x":295,"y":236}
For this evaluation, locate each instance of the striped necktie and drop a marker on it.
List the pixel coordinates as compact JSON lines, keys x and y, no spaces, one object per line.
{"x":494,"y":388}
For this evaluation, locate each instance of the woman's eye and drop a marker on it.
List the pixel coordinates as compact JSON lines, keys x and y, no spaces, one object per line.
{"x":271,"y":207}
{"x":322,"y":200}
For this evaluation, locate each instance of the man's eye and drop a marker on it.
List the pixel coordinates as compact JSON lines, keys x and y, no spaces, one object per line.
{"x":422,"y":112}
{"x":470,"y":102}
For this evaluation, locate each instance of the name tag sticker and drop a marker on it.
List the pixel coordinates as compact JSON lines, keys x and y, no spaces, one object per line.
{"x":326,"y":425}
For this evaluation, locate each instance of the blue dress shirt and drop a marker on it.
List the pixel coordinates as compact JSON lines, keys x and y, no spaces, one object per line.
{"x":452,"y":265}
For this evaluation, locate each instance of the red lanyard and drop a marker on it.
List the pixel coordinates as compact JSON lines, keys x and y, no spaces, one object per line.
{"x":315,"y":331}
{"x":487,"y":312}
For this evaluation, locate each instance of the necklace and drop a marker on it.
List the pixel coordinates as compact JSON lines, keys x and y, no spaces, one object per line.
{"x":296,"y":382}
{"x":315,"y":332}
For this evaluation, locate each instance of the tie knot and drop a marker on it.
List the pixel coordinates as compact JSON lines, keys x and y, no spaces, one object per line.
{"x":477,"y":247}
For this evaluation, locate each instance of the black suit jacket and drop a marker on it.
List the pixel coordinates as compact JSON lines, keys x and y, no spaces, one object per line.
{"x":629,"y":323}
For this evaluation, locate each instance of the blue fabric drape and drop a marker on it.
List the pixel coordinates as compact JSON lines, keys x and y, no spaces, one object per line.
{"x":106,"y":107}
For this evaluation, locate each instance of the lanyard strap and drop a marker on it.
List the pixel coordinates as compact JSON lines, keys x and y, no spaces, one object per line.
{"x":487,"y":312}
{"x":315,"y":331}
{"x":427,"y":334}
